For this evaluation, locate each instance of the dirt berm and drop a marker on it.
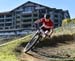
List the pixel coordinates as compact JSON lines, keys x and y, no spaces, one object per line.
{"x":57,"y":48}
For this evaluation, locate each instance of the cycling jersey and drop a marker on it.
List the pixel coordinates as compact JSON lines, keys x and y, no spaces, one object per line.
{"x":47,"y":24}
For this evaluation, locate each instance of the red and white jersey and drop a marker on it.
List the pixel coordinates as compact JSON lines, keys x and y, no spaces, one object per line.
{"x":47,"y":24}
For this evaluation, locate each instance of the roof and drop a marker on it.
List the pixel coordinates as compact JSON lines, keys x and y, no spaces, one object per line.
{"x":1,"y":13}
{"x":27,"y":3}
{"x":32,"y":3}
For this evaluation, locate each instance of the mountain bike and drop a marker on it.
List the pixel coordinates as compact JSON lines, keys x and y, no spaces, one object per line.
{"x":35,"y":39}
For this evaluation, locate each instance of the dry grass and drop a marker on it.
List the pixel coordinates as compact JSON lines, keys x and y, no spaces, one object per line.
{"x":60,"y":47}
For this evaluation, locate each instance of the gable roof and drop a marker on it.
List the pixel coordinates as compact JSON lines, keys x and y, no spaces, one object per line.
{"x":32,"y":3}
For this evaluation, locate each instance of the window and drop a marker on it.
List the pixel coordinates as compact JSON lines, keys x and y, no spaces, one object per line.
{"x":1,"y":24}
{"x":29,"y":20}
{"x":8,"y":24}
{"x":56,"y":15}
{"x":28,"y":9}
{"x":41,"y":16}
{"x":26,"y":25}
{"x":8,"y":20}
{"x":17,"y":21}
{"x":11,"y":27}
{"x":6,"y":27}
{"x":18,"y":12}
{"x":56,"y":20}
{"x":8,"y":15}
{"x":26,"y":15}
{"x":17,"y":16}
{"x":17,"y":26}
{"x":35,"y":15}
{"x":35,"y":19}
{"x":43,"y":11}
{"x":1,"y":28}
{"x":1,"y":16}
{"x":1,"y":20}
{"x":55,"y":25}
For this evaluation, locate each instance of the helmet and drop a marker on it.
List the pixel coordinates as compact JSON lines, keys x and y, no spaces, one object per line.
{"x":47,"y":16}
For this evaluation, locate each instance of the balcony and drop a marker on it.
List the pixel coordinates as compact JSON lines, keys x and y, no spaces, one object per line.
{"x":27,"y":12}
{"x":1,"y":28}
{"x":27,"y":18}
{"x":1,"y":25}
{"x":26,"y":22}
{"x":8,"y":17}
{"x":1,"y":20}
{"x":8,"y":24}
{"x":38,"y":8}
{"x":1,"y":16}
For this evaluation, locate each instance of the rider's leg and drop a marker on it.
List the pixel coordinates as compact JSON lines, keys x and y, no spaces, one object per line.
{"x":43,"y":31}
{"x":50,"y":32}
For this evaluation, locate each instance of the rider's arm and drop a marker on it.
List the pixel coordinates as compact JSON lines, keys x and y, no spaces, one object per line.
{"x":51,"y":28}
{"x":38,"y":21}
{"x":51,"y":31}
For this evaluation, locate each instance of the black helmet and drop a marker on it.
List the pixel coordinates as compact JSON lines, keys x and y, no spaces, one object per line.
{"x":47,"y":16}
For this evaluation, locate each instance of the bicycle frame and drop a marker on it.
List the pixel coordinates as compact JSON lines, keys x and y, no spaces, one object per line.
{"x":36,"y":38}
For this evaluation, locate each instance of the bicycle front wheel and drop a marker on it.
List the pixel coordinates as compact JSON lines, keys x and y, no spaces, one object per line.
{"x":31,"y":43}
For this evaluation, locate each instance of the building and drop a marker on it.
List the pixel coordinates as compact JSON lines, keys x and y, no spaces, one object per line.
{"x":22,"y":18}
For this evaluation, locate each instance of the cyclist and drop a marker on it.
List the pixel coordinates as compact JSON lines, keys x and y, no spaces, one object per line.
{"x":47,"y":25}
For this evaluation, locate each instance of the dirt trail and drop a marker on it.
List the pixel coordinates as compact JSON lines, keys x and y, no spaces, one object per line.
{"x":57,"y":48}
{"x":47,"y":53}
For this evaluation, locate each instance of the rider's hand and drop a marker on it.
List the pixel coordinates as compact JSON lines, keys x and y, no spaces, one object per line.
{"x":36,"y":25}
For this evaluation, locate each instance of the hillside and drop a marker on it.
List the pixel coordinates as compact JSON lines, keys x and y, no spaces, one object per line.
{"x":61,"y":46}
{"x":7,"y":50}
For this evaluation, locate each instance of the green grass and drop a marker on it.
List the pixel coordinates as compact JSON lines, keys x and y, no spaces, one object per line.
{"x":7,"y":52}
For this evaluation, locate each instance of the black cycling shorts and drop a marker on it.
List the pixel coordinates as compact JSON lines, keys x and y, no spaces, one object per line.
{"x":45,"y":29}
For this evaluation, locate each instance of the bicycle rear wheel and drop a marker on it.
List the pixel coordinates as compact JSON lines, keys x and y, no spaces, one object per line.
{"x":31,"y":43}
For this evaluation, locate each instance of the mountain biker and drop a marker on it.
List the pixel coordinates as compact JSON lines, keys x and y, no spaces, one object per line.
{"x":47,"y":24}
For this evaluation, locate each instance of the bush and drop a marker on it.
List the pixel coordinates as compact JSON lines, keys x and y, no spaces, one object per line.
{"x":66,"y":21}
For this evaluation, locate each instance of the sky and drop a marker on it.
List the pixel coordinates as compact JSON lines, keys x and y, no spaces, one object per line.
{"x":8,"y":5}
